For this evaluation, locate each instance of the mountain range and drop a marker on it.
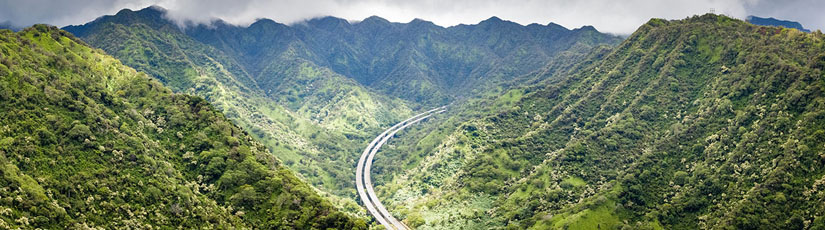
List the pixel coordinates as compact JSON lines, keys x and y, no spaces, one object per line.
{"x":416,"y":61}
{"x":776,"y":22}
{"x":707,"y":122}
{"x":316,"y":92}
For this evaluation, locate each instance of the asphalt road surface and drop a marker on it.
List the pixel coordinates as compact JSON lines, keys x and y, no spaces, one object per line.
{"x":363,"y":181}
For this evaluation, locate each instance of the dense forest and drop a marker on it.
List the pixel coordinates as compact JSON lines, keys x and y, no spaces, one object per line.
{"x":707,"y":122}
{"x":90,"y":143}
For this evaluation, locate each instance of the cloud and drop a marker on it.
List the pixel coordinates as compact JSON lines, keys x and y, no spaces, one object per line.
{"x":619,"y":17}
{"x":56,"y":12}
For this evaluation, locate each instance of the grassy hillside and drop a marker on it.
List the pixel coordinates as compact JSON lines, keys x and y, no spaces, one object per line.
{"x":707,"y":122}
{"x":86,"y":142}
{"x":315,"y":120}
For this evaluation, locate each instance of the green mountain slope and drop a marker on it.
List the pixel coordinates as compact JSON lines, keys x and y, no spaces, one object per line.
{"x":707,"y":122}
{"x":315,"y":93}
{"x":317,"y":121}
{"x":86,"y":142}
{"x":418,"y":61}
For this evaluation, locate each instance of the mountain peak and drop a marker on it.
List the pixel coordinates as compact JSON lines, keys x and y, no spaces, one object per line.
{"x":327,"y":22}
{"x":8,"y":25}
{"x":264,"y":22}
{"x":497,"y":21}
{"x":153,"y":8}
{"x":374,"y":20}
{"x":493,"y":19}
{"x":554,"y":25}
{"x":374,"y":23}
{"x":420,"y":21}
{"x":588,"y":27}
{"x":152,"y":16}
{"x":711,"y":19}
{"x":150,"y":10}
{"x":776,"y":22}
{"x":124,"y":11}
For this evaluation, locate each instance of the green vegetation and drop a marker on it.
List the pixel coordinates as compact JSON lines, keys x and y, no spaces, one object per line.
{"x":86,"y":142}
{"x":416,"y":61}
{"x":572,"y":181}
{"x":707,"y":122}
{"x":596,"y":213}
{"x":316,"y":93}
{"x":315,"y":120}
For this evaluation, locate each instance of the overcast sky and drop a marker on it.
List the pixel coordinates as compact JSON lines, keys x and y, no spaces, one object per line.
{"x":613,"y":16}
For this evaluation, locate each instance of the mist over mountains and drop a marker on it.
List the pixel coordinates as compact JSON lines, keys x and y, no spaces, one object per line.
{"x":134,"y":121}
{"x":316,"y":92}
{"x":417,"y":61}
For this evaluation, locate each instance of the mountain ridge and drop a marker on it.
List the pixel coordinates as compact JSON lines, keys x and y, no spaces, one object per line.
{"x":708,"y":122}
{"x":358,"y":55}
{"x":313,"y":92}
{"x":87,"y":142}
{"x":678,"y":127}
{"x":306,"y":120}
{"x":158,"y":10}
{"x":776,"y":22}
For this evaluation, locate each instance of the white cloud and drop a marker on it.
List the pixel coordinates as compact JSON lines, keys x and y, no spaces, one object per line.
{"x":610,"y":16}
{"x":614,"y":16}
{"x":61,"y":13}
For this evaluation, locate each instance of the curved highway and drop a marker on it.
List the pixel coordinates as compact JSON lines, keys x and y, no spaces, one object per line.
{"x":363,"y":181}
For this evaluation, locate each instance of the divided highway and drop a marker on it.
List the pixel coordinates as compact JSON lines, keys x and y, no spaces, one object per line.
{"x":363,"y":181}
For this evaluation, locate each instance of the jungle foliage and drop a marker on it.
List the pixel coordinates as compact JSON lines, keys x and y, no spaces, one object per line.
{"x":86,"y":142}
{"x":315,"y":93}
{"x":706,"y":122}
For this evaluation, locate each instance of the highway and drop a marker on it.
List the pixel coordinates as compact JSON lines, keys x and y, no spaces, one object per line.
{"x":363,"y":180}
